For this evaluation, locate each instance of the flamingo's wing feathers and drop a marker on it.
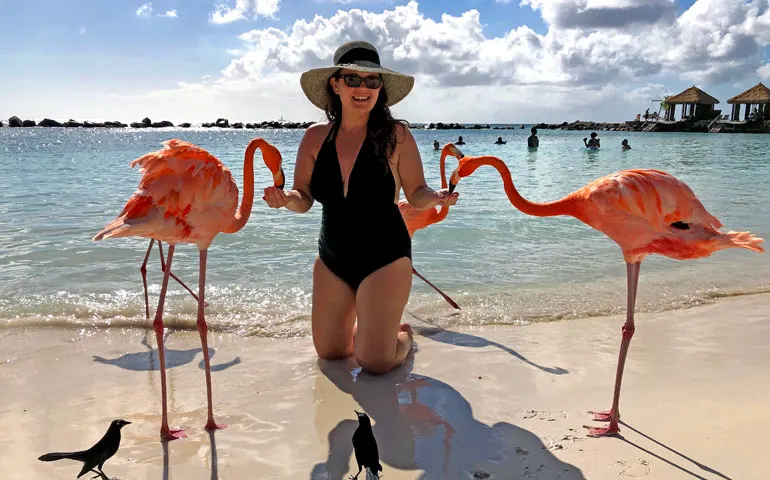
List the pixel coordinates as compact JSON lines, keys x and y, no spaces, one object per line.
{"x":652,"y":195}
{"x":184,"y":179}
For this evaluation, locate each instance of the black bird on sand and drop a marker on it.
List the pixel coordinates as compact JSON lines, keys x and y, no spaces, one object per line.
{"x":365,"y":446}
{"x":96,"y":455}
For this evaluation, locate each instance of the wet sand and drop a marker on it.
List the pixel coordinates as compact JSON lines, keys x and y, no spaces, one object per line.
{"x":489,"y":402}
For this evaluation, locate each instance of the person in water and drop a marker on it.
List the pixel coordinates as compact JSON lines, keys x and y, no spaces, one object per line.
{"x":435,"y":145}
{"x":460,"y":141}
{"x":355,"y":166}
{"x":624,"y":145}
{"x":500,"y":141}
{"x":532,"y":140}
{"x":593,"y":143}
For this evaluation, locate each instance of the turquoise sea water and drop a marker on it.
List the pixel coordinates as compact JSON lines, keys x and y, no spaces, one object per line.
{"x":58,"y":187}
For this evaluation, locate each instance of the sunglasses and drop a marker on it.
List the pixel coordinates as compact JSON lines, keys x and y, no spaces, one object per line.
{"x":352,"y":80}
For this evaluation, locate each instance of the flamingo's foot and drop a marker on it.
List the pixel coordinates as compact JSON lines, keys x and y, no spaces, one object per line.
{"x":605,"y":416}
{"x":608,"y":431}
{"x":212,"y":425}
{"x":169,"y":434}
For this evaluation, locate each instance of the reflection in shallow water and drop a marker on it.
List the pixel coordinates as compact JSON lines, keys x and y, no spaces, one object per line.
{"x":214,"y":460}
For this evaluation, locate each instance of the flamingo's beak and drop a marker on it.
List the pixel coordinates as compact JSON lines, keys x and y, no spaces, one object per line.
{"x":453,"y":181}
{"x":280,"y":179}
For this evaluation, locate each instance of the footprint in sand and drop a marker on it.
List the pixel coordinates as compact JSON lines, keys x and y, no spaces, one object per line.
{"x":545,"y":415}
{"x":563,"y":443}
{"x":638,"y":468}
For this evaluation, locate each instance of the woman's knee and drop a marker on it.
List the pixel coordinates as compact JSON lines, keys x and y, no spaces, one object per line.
{"x":373,"y":365}
{"x":332,"y":352}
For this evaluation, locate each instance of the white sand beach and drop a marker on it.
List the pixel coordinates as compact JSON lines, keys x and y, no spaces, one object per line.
{"x":492,"y":402}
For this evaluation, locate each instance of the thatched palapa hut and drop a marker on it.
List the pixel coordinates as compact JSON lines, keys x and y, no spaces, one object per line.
{"x":696,"y":105}
{"x":758,"y":95}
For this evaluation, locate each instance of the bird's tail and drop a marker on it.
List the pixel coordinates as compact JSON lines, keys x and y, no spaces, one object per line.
{"x":745,"y":240}
{"x":51,"y":457}
{"x":136,"y":207}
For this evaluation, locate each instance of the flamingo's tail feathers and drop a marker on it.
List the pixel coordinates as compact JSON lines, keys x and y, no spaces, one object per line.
{"x":745,"y":240}
{"x":136,"y":207}
{"x":116,"y":228}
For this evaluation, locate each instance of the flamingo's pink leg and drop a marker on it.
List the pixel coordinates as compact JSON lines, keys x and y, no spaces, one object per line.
{"x":163,"y":267}
{"x":446,"y":297}
{"x":157,"y":325}
{"x":613,"y":415}
{"x":143,"y":269}
{"x":203,"y":330}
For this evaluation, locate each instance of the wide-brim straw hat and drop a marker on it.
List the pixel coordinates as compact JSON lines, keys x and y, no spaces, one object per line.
{"x":362,"y":57}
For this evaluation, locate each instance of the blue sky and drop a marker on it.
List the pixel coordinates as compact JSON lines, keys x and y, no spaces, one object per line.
{"x":474,"y":61}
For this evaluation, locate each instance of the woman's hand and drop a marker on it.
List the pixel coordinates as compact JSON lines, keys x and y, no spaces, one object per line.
{"x":445,"y":198}
{"x":275,"y":197}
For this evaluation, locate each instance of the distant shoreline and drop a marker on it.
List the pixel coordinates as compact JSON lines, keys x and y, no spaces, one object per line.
{"x":628,"y":126}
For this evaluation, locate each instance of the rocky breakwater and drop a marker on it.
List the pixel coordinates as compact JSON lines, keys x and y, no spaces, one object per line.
{"x":16,"y":122}
{"x":225,"y":123}
{"x":584,"y":125}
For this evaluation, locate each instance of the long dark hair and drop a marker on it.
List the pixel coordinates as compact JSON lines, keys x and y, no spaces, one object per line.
{"x":381,"y":127}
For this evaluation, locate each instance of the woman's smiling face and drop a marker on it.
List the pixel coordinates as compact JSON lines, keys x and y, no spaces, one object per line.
{"x":359,"y":98}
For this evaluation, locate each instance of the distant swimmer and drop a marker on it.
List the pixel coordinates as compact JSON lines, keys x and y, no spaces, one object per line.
{"x":594,"y":143}
{"x":533,"y":141}
{"x":500,"y":141}
{"x":624,"y":145}
{"x":460,"y":141}
{"x":435,"y":144}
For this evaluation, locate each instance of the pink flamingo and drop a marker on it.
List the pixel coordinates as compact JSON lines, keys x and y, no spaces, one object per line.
{"x":187,"y":195}
{"x":419,"y":219}
{"x":645,"y":212}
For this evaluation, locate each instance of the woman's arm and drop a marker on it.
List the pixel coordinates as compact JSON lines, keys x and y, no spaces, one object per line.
{"x":299,"y":199}
{"x":416,"y":190}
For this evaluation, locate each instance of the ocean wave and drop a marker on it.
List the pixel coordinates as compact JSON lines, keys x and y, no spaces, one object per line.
{"x":273,"y":318}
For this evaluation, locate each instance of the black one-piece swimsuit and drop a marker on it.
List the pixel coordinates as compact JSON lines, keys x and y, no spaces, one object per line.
{"x":364,"y":231}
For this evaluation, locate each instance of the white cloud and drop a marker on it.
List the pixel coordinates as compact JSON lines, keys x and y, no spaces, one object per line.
{"x":699,"y":46}
{"x":243,"y":9}
{"x":145,"y":10}
{"x":602,"y":13}
{"x":764,"y":72}
{"x":464,"y":74}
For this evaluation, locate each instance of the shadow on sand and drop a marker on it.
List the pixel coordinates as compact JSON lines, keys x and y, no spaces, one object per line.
{"x":421,"y":423}
{"x":440,"y":334}
{"x":683,"y":456}
{"x":147,"y":361}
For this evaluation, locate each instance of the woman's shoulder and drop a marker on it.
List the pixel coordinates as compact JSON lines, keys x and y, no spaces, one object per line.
{"x":318,"y":129}
{"x":316,"y":133}
{"x":402,"y":132}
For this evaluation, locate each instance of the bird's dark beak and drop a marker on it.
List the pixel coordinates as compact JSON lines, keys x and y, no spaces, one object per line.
{"x":357,"y":412}
{"x":452,"y":186}
{"x":283,"y":180}
{"x":127,"y":422}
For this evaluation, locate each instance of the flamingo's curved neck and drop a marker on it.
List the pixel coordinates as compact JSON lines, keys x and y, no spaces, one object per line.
{"x":448,"y":149}
{"x":244,"y":210}
{"x":565,"y":206}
